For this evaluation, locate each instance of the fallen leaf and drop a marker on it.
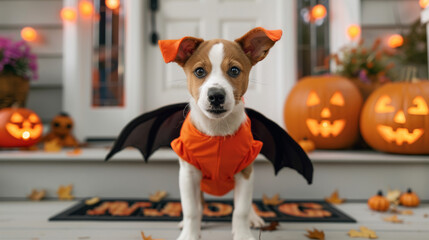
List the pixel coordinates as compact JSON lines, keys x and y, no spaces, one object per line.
{"x":74,"y":152}
{"x":148,"y":237}
{"x":426,"y":215}
{"x":272,"y":227}
{"x":92,"y":201}
{"x":393,"y":196}
{"x":275,"y":200}
{"x":407,"y":212}
{"x":395,"y":210}
{"x":335,"y":198}
{"x":158,"y":196}
{"x":36,"y":195}
{"x":52,"y":146}
{"x":315,"y":234}
{"x":363,"y":233}
{"x":393,"y":219}
{"x":64,"y":192}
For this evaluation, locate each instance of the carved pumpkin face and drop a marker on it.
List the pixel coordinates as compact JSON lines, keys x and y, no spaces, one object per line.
{"x":19,"y":127}
{"x":324,"y":109}
{"x":395,"y":118}
{"x":62,"y":125}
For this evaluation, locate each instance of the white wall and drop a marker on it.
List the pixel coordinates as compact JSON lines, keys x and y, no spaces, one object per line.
{"x":44,"y":16}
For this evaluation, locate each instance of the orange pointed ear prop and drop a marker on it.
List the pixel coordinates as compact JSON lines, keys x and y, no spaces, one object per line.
{"x":257,"y":42}
{"x":179,"y":50}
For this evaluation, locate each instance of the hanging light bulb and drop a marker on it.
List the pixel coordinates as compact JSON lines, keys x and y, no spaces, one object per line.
{"x":318,"y":12}
{"x":353,"y":31}
{"x":28,"y":34}
{"x":68,"y":14}
{"x":112,"y":4}
{"x":424,"y":3}
{"x":86,"y":8}
{"x":395,"y":41}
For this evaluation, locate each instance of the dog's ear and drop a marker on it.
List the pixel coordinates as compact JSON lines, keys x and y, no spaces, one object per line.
{"x":257,"y":42}
{"x":179,"y":50}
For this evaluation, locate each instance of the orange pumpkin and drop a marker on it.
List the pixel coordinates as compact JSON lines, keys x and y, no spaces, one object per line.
{"x":395,"y":118}
{"x":324,"y":109}
{"x":19,"y":127}
{"x":409,"y":199}
{"x":379,"y":202}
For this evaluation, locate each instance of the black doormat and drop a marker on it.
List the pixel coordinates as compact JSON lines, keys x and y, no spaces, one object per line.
{"x":214,"y":210}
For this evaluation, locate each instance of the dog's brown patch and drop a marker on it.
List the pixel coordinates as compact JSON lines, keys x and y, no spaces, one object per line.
{"x":247,"y":171}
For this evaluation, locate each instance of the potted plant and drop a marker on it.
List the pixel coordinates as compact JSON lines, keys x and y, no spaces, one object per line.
{"x":17,"y":67}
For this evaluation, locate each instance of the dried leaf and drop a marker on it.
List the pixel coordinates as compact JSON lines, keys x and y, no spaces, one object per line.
{"x":275,"y":200}
{"x":363,"y":233}
{"x":37,"y":195}
{"x":64,"y":192}
{"x":158,"y":196}
{"x":393,"y":219}
{"x":272,"y":227}
{"x":335,"y":198}
{"x":395,"y":210}
{"x":52,"y":146}
{"x":426,"y":215}
{"x":407,"y":212}
{"x":148,"y":237}
{"x":315,"y":234}
{"x":393,"y":196}
{"x":92,"y":201}
{"x":74,"y":152}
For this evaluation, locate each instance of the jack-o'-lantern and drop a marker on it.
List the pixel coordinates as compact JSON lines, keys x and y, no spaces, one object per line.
{"x":395,"y":118}
{"x":19,"y":127}
{"x":325,"y":110}
{"x":61,"y":130}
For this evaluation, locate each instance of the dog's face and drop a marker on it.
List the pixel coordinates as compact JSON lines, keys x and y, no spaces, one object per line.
{"x":218,"y":70}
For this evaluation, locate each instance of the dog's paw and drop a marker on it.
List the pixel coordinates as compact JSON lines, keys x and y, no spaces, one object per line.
{"x":255,"y":221}
{"x":186,"y":235}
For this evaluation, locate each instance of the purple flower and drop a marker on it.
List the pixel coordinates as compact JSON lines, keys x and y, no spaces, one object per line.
{"x":363,"y":76}
{"x":16,"y":57}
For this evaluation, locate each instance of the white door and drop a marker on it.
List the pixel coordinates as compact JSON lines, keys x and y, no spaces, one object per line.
{"x":270,"y":80}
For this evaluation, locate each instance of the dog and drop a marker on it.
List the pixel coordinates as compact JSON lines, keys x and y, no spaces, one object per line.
{"x":217,"y":74}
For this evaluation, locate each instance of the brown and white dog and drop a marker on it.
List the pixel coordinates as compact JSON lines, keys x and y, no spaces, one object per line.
{"x":217,"y":76}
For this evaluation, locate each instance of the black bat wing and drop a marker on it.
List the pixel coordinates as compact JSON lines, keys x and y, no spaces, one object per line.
{"x":152,"y":130}
{"x":279,"y":148}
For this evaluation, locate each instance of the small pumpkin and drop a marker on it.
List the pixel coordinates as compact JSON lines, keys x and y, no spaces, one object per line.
{"x":19,"y":127}
{"x":379,"y":202}
{"x":395,"y":118}
{"x":325,"y":109}
{"x":409,"y":199}
{"x":307,"y":145}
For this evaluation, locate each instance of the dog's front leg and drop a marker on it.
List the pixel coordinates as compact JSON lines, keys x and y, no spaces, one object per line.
{"x":190,"y":194}
{"x":242,"y":206}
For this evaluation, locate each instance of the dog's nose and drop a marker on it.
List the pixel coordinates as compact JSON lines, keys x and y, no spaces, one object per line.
{"x":216,"y":96}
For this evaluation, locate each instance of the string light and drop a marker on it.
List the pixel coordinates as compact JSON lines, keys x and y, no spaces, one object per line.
{"x":424,"y":3}
{"x":353,"y":31}
{"x":68,"y":14}
{"x":395,"y":41}
{"x":29,"y":34}
{"x":112,"y":4}
{"x":86,"y":8}
{"x":318,"y":12}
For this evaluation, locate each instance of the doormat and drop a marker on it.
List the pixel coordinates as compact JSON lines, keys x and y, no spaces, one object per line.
{"x":214,"y":210}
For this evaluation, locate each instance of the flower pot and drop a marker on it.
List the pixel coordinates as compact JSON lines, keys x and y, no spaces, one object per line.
{"x":13,"y":90}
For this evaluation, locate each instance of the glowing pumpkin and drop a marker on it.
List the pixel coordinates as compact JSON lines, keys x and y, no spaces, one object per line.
{"x":395,"y":118}
{"x":19,"y":127}
{"x":325,"y":110}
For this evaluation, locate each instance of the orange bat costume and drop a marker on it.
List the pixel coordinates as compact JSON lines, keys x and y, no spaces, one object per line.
{"x":218,"y":158}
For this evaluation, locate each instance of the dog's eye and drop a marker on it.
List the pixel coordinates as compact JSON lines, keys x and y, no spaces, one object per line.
{"x":200,"y":72}
{"x":234,"y":72}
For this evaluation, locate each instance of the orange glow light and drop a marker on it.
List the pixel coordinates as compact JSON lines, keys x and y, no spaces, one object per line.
{"x":86,"y":8}
{"x":318,"y":12}
{"x":28,"y":34}
{"x":424,"y":3}
{"x":395,"y":41}
{"x":68,"y":14}
{"x":353,"y":31}
{"x":112,"y":4}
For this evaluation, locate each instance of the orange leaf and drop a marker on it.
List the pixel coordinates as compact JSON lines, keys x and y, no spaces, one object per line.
{"x":52,"y":146}
{"x":272,"y":227}
{"x":37,"y":195}
{"x":275,"y":200}
{"x":363,"y":233}
{"x":74,"y":152}
{"x":64,"y":192}
{"x":148,"y":237}
{"x":158,"y":196}
{"x":393,"y":219}
{"x":315,"y":234}
{"x":335,"y":198}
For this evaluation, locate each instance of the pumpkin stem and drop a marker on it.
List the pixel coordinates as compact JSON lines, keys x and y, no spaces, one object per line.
{"x":380,"y":193}
{"x":409,"y":190}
